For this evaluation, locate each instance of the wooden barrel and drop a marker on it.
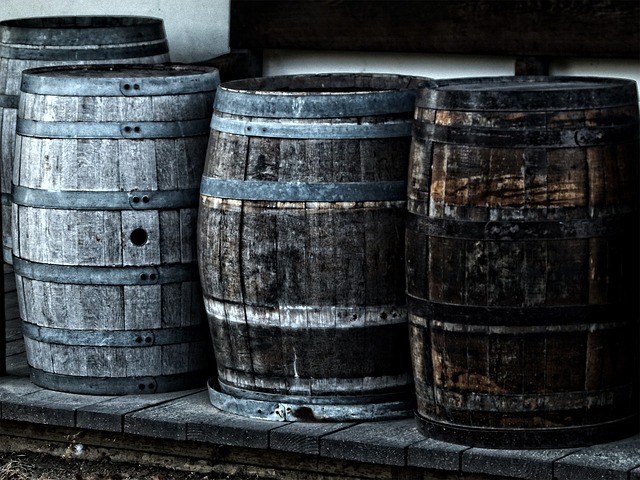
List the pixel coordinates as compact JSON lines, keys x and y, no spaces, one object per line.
{"x":45,"y":41}
{"x":108,"y":165}
{"x":522,"y":260}
{"x":300,"y":235}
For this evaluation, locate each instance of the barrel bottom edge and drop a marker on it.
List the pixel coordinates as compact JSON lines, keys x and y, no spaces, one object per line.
{"x":308,"y":409}
{"x":118,"y":385}
{"x":528,"y":439}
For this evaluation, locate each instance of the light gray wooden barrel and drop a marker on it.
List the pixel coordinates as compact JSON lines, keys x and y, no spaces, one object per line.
{"x":108,"y":165}
{"x":300,"y":237}
{"x":46,"y":41}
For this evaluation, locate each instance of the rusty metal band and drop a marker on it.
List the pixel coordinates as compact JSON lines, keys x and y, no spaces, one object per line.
{"x":288,"y":408}
{"x":527,"y":438}
{"x":100,"y":200}
{"x":307,"y":105}
{"x":535,"y":318}
{"x":527,"y":138}
{"x":517,"y":403}
{"x":87,"y":52}
{"x":118,"y":385}
{"x":522,"y":230}
{"x":527,"y":93}
{"x":90,"y":275}
{"x":114,"y":338}
{"x":159,"y":81}
{"x":304,"y":191}
{"x":256,"y":128}
{"x":75,"y":30}
{"x":115,"y":130}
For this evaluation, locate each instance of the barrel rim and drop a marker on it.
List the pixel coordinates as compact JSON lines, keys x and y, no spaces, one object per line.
{"x":597,"y":92}
{"x":68,"y":33}
{"x":23,"y":22}
{"x":133,"y":385}
{"x":522,"y":438}
{"x":157,"y":50}
{"x":291,"y":408}
{"x":349,"y":95}
{"x":251,"y":84}
{"x":186,"y":79}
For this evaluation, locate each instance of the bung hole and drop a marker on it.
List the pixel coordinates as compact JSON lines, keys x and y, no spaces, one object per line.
{"x":139,"y":236}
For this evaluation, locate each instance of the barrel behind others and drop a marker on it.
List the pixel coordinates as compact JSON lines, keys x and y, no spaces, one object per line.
{"x":300,"y":237}
{"x":108,"y":165}
{"x":522,"y":260}
{"x":64,"y":40}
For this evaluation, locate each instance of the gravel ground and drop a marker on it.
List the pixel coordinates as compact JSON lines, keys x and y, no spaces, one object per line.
{"x":37,"y":466}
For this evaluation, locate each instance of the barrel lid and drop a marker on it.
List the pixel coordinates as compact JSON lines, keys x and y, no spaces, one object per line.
{"x":319,"y":95}
{"x":112,"y":80}
{"x":80,"y":30}
{"x":527,"y":93}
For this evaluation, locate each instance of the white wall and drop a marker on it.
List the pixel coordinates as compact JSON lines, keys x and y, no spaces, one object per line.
{"x":280,"y":62}
{"x":598,"y":67}
{"x":196,"y":29}
{"x":199,"y":29}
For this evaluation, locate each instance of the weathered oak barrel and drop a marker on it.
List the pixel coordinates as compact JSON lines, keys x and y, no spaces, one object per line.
{"x":301,"y":237}
{"x":522,"y":260}
{"x":108,"y":166}
{"x":45,"y":41}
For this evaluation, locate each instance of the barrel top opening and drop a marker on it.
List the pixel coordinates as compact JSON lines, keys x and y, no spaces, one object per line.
{"x":324,"y":84}
{"x":327,"y":95}
{"x":520,"y":93}
{"x":117,"y":80}
{"x":529,"y":83}
{"x":126,"y":33}
{"x":117,"y":71}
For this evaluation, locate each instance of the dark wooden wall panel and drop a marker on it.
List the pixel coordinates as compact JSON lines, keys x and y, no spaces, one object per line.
{"x":593,"y":28}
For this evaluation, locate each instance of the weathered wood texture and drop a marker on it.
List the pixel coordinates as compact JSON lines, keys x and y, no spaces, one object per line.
{"x":212,"y":459}
{"x":516,"y":463}
{"x":9,"y":323}
{"x":104,"y":221}
{"x":613,"y":460}
{"x":386,"y":442}
{"x":305,"y":293}
{"x":601,"y":28}
{"x":39,"y":42}
{"x":522,"y":260}
{"x":183,"y":430}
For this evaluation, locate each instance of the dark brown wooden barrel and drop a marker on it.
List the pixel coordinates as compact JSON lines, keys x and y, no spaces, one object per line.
{"x":45,"y":41}
{"x":522,"y":260}
{"x":108,"y":166}
{"x":301,"y":234}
